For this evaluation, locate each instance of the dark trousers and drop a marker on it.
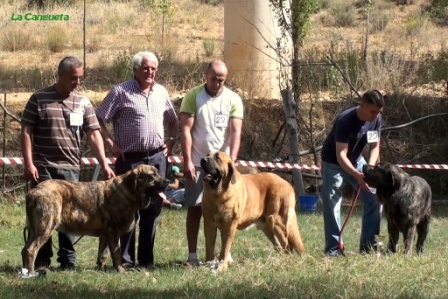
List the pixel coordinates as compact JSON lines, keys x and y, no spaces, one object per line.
{"x":66,"y":252}
{"x":148,"y":216}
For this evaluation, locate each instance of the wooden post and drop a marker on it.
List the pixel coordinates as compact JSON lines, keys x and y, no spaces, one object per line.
{"x":4,"y":143}
{"x":289,"y":108}
{"x":84,"y":37}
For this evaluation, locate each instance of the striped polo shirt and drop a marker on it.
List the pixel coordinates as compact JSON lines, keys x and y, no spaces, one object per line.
{"x":138,"y":119}
{"x":57,"y":143}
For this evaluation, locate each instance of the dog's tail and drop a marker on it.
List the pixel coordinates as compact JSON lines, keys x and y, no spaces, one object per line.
{"x":294,"y":238}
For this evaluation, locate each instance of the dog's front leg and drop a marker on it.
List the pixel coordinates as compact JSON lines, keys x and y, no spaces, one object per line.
{"x":394,"y":234}
{"x":114,"y":247}
{"x":210,"y":239}
{"x":227,"y":236}
{"x":103,"y":253}
{"x":408,"y":236}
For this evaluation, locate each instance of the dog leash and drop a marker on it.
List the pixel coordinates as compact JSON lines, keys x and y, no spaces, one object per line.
{"x":25,"y":229}
{"x":350,"y":213}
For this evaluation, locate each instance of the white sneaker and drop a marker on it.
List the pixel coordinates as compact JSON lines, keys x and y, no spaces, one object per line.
{"x":176,"y":206}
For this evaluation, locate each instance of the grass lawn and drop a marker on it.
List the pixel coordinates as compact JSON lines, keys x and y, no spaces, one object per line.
{"x":258,"y":272}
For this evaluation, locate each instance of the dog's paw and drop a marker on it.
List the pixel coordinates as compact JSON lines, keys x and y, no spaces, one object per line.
{"x":24,"y":273}
{"x":222,"y":267}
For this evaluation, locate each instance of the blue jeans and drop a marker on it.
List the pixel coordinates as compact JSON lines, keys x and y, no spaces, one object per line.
{"x":178,"y":195}
{"x":66,"y":252}
{"x":332,"y":177}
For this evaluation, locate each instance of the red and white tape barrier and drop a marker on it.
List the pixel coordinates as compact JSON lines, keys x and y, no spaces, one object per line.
{"x":257,"y":164}
{"x":424,"y":166}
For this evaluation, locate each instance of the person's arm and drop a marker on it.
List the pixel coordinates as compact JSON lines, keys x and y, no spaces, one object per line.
{"x":109,"y":141}
{"x":186,"y":140}
{"x":172,"y":129}
{"x":174,"y":185}
{"x":374,"y":153}
{"x":344,"y":162}
{"x":30,"y":171}
{"x":97,"y":146}
{"x":236,"y":126}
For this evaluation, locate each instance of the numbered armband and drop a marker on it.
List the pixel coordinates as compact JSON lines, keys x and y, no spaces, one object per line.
{"x":373,"y":136}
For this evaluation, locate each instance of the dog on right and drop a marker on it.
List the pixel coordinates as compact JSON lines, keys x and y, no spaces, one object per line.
{"x":406,"y":204}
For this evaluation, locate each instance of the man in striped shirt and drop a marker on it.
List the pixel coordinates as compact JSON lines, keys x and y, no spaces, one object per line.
{"x":53,"y":124}
{"x":138,"y":109}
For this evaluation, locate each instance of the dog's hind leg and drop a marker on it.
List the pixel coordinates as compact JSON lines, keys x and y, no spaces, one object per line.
{"x":29,"y":252}
{"x":269,"y":233}
{"x":40,"y":230}
{"x":408,"y":236}
{"x":103,"y":253}
{"x":279,"y":230}
{"x":394,"y":234}
{"x":422,"y":233}
{"x":25,"y":260}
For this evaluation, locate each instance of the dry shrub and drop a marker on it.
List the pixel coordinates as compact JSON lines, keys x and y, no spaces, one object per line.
{"x":424,"y":142}
{"x":16,"y":38}
{"x":94,"y":43}
{"x":415,"y":23}
{"x":209,"y":46}
{"x":121,"y":66}
{"x":56,"y":39}
{"x":379,"y":20}
{"x":344,"y":14}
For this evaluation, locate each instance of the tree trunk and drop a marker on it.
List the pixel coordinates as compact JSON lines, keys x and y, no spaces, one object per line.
{"x":289,"y":107}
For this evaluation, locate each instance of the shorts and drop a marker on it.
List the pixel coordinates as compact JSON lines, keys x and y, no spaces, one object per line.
{"x":193,"y":190}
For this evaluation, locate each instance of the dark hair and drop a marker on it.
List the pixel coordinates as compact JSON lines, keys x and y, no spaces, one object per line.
{"x":373,"y":97}
{"x":66,"y":64}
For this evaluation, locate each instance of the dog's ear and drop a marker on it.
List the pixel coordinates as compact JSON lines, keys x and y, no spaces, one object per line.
{"x":132,"y":179}
{"x":232,"y":172}
{"x":396,"y":173}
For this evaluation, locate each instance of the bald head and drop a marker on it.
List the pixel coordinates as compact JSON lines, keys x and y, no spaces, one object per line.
{"x":215,"y":77}
{"x":217,"y":66}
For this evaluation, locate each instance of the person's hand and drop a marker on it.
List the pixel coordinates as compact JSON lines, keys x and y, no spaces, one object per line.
{"x":31,"y":173}
{"x":117,"y":152}
{"x":190,"y":171}
{"x":360,"y":179}
{"x":165,"y":150}
{"x":108,"y":172}
{"x":168,"y":147}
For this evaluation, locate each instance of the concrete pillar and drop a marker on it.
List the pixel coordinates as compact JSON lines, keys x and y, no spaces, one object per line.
{"x":249,"y":25}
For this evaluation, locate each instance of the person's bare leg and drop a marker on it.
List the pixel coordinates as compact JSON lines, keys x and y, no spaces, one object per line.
{"x":193,"y":222}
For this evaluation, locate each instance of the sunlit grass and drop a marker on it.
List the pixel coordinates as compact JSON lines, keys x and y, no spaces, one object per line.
{"x":259,"y":271}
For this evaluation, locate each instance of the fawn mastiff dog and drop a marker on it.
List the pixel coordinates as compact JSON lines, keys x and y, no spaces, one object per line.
{"x":104,"y":209}
{"x":406,"y":201}
{"x":233,"y":201}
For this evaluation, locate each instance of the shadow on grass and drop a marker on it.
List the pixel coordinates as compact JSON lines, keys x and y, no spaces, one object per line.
{"x":289,"y":288}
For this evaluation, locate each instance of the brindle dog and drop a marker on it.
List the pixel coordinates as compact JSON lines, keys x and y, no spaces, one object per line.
{"x":406,"y":201}
{"x":104,"y":209}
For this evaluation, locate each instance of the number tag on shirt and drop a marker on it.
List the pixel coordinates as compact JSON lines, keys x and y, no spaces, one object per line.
{"x":221,"y":120}
{"x":373,"y":136}
{"x":76,"y":119}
